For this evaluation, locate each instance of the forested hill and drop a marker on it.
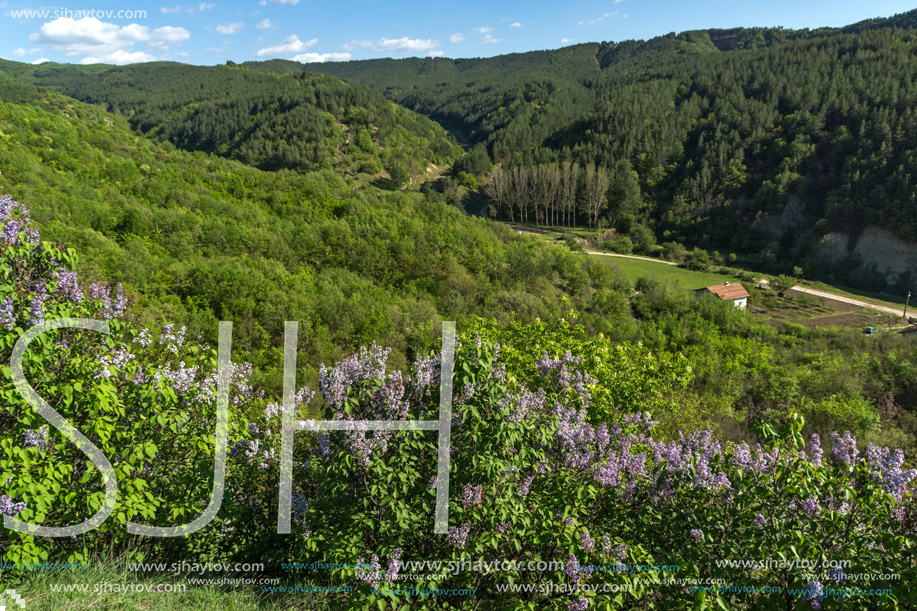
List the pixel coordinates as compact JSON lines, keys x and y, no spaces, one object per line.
{"x":298,"y":121}
{"x":776,"y":143}
{"x":202,"y":239}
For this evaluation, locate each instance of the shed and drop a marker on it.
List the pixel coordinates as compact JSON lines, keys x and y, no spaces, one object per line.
{"x":728,"y":291}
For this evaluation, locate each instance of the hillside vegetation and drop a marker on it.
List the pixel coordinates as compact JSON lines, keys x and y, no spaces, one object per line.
{"x":299,"y":121}
{"x":204,"y":238}
{"x":597,"y":418}
{"x":757,"y":141}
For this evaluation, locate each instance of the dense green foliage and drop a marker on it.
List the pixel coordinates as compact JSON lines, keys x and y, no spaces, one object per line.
{"x":754,"y":141}
{"x":757,"y":141}
{"x":206,"y":239}
{"x":302,"y":122}
{"x":266,"y":194}
{"x":536,"y":488}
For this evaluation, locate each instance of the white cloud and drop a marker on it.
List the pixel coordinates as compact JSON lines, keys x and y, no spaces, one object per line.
{"x":617,"y":1}
{"x":181,"y":53}
{"x":484,"y":30}
{"x":203,"y":6}
{"x":229,"y":28}
{"x":564,"y":41}
{"x":457,"y":37}
{"x":487,"y":39}
{"x":396,"y":45}
{"x":292,"y":44}
{"x":213,"y":50}
{"x":265,"y":25}
{"x":40,"y":61}
{"x":290,"y":2}
{"x":598,"y":19}
{"x":318,"y":58}
{"x":515,"y":25}
{"x":435,"y":54}
{"x":405,"y":44}
{"x":95,"y":41}
{"x":169,"y":11}
{"x":19,"y":52}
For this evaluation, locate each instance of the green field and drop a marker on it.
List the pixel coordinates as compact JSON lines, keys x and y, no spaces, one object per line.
{"x":667,"y":274}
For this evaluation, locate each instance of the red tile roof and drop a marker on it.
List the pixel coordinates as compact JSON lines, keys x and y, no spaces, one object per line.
{"x":730,"y":291}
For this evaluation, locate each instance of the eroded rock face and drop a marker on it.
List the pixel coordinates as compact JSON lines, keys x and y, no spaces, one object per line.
{"x":877,"y":248}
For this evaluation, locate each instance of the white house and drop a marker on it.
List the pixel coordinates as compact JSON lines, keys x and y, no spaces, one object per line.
{"x":729,"y":291}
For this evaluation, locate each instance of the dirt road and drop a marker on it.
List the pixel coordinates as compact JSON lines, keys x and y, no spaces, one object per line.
{"x":613,"y":254}
{"x":863,"y":304}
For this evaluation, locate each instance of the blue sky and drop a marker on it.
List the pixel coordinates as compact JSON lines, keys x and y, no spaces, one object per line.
{"x":214,"y":31}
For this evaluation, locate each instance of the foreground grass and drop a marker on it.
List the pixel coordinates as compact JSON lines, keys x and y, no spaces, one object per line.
{"x":106,"y":591}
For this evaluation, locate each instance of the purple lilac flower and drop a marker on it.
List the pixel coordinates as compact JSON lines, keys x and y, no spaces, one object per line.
{"x":170,"y":338}
{"x":698,"y":534}
{"x":37,"y":308}
{"x":741,"y":457}
{"x":458,"y":535}
{"x":572,"y":569}
{"x":472,"y":495}
{"x":502,"y":527}
{"x":37,"y":440}
{"x":581,"y":604}
{"x":641,"y":421}
{"x":815,"y":451}
{"x":519,"y":407}
{"x":837,"y":574}
{"x":68,"y":287}
{"x":814,"y":594}
{"x":112,"y":299}
{"x":14,"y":219}
{"x":811,"y":508}
{"x":394,"y":566}
{"x":567,"y":379}
{"x":844,"y":448}
{"x":7,"y":317}
{"x":353,"y":392}
{"x":426,"y":374}
{"x":886,"y":469}
{"x":606,"y":544}
{"x":370,"y":577}
{"x":760,"y":521}
{"x":524,"y":484}
{"x":302,"y":397}
{"x":300,"y":507}
{"x":587,"y":542}
{"x":8,"y":507}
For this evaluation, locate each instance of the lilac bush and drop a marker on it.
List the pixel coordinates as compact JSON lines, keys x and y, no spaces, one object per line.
{"x":148,"y":404}
{"x":533,"y":477}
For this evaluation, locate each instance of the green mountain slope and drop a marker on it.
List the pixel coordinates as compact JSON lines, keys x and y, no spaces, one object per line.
{"x":774,"y":143}
{"x":298,"y":121}
{"x":205,"y":239}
